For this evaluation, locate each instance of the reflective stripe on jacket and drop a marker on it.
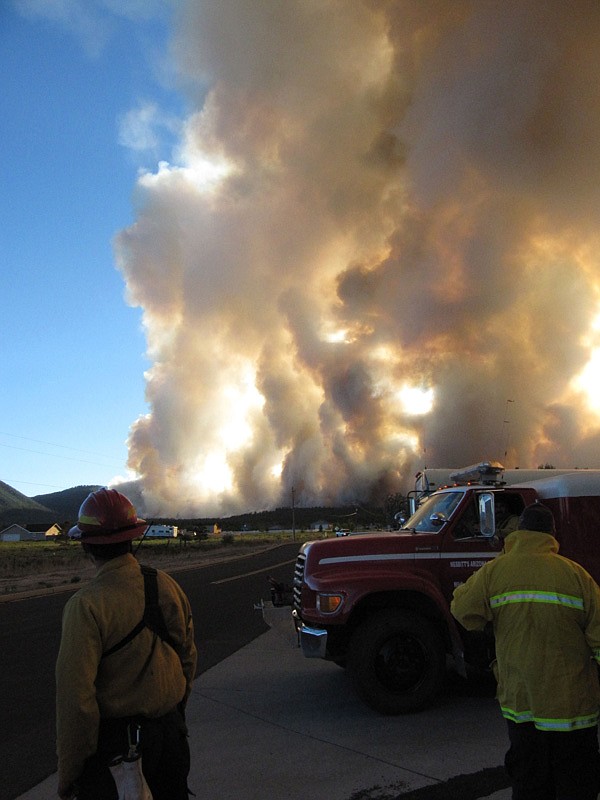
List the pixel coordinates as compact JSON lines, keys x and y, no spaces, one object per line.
{"x":545,"y":611}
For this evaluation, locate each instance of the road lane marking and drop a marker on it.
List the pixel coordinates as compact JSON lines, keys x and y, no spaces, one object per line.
{"x":254,"y":572}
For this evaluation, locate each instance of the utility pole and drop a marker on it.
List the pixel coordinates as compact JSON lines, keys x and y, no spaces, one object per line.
{"x":506,"y":429}
{"x":293,"y":516}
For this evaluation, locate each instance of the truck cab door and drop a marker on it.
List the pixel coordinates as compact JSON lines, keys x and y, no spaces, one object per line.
{"x":465,"y":548}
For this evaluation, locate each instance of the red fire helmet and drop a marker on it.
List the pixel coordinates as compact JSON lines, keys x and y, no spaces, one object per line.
{"x":107,"y":517}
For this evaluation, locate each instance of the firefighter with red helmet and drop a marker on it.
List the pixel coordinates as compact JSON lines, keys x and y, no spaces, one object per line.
{"x":120,"y":666}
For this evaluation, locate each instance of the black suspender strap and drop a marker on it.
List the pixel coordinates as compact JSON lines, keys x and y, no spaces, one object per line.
{"x":126,"y":639}
{"x":153,"y":617}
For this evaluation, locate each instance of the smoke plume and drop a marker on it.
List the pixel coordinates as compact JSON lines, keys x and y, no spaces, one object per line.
{"x":377,"y":249}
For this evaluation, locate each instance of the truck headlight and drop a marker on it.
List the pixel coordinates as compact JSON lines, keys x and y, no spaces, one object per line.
{"x":329,"y":603}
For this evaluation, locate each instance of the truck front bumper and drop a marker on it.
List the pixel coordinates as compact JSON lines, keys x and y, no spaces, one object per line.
{"x":313,"y":641}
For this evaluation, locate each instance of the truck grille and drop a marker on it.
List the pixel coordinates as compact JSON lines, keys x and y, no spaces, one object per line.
{"x":298,"y":580}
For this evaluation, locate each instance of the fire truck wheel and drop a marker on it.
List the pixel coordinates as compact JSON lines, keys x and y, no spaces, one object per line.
{"x":397,"y":661}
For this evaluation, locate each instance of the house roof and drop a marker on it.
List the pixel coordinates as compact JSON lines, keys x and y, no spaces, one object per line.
{"x":15,"y":528}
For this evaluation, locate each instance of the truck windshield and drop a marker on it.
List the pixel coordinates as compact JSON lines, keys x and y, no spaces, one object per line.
{"x":433,"y":512}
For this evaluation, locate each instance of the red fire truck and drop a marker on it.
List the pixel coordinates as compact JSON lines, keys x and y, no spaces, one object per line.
{"x":379,"y":604}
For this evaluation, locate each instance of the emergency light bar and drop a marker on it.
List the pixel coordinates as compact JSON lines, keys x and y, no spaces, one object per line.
{"x":486,"y":472}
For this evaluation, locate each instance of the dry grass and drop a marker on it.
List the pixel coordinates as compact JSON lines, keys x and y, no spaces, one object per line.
{"x":23,"y":558}
{"x":30,"y":566}
{"x":25,"y":566}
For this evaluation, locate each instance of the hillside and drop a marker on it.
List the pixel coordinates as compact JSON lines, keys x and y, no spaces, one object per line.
{"x":17,"y":508}
{"x":64,"y":507}
{"x":43,"y":508}
{"x":65,"y":504}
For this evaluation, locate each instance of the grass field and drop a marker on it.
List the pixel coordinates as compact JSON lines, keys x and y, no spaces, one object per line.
{"x":67,"y":560}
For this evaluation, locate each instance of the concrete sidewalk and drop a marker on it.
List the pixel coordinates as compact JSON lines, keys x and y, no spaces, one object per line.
{"x":268,"y":723}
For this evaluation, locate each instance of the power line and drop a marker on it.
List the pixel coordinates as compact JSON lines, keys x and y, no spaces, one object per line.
{"x":52,"y":444}
{"x":30,"y":483}
{"x":54,"y":455}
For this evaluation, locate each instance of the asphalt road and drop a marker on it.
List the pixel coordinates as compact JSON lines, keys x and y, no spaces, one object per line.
{"x":222,"y":598}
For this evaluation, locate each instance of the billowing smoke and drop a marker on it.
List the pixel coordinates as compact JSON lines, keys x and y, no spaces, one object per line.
{"x":378,"y":249}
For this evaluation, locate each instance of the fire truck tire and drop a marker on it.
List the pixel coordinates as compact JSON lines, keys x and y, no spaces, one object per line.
{"x":397,"y":661}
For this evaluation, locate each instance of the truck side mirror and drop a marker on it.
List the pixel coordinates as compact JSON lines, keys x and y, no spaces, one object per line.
{"x":487,"y":516}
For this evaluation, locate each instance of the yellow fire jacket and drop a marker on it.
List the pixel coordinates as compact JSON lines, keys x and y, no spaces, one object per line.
{"x":146,"y":677}
{"x":545,"y":611}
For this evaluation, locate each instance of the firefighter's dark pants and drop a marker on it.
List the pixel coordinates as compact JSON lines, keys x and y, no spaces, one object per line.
{"x":165,"y":758}
{"x":549,"y":765}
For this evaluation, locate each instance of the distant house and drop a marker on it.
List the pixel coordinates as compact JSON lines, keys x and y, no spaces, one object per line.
{"x":53,"y":530}
{"x":17,"y":533}
{"x":29,"y":533}
{"x":320,"y":525}
{"x":162,"y":532}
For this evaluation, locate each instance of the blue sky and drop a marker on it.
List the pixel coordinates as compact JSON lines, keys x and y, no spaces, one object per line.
{"x":71,"y":349}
